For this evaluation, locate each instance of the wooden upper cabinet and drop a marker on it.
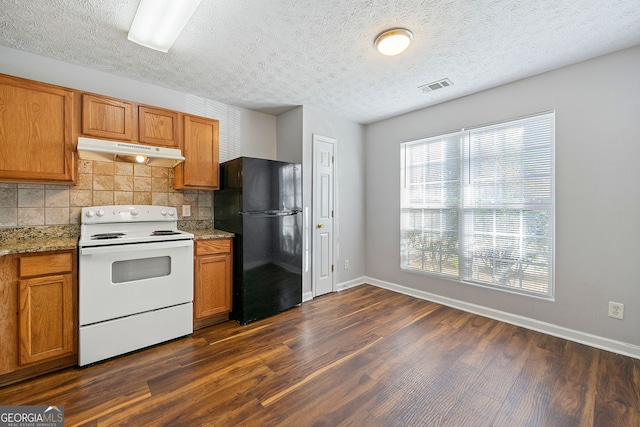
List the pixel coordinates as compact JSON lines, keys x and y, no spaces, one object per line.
{"x":200,"y":170}
{"x":107,"y":117}
{"x":158,"y":127}
{"x":37,"y":132}
{"x":112,"y":118}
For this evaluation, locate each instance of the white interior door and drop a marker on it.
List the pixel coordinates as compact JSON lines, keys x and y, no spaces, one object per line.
{"x":323,"y":215}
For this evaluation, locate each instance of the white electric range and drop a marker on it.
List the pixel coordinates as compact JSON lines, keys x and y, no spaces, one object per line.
{"x":135,"y":280}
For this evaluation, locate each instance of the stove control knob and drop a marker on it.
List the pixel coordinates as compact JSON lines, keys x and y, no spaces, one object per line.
{"x":100,"y":212}
{"x":163,"y":212}
{"x":134,"y":212}
{"x":172,"y":212}
{"x":90,"y":213}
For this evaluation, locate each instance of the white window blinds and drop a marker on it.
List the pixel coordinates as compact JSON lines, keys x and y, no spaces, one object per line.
{"x":477,"y":205}
{"x":430,"y":204}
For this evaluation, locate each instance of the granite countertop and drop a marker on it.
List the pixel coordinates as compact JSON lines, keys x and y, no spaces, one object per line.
{"x":203,"y":230}
{"x":209,"y":234}
{"x":56,"y":238}
{"x":38,"y":239}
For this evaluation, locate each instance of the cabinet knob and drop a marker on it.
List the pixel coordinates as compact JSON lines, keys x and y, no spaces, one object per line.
{"x":320,"y":225}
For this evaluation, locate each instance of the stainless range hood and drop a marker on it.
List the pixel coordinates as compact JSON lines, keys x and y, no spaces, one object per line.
{"x":111,"y":151}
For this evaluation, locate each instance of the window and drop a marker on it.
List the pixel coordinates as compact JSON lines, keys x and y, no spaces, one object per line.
{"x":478,"y":205}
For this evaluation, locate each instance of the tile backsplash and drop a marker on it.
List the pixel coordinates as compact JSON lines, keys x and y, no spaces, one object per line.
{"x":99,"y":183}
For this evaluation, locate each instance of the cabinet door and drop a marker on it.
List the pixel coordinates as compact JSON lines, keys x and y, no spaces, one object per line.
{"x":200,"y":170}
{"x":212,"y":294}
{"x":46,"y":312}
{"x":106,"y":117}
{"x":8,"y":310}
{"x":158,"y":127}
{"x":36,"y":132}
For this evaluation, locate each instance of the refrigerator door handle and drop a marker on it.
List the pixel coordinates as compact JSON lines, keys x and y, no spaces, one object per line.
{"x":271,"y":213}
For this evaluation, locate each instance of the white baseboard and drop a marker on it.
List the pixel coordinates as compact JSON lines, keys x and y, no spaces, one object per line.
{"x":351,"y":283}
{"x":607,"y":344}
{"x":308,"y":296}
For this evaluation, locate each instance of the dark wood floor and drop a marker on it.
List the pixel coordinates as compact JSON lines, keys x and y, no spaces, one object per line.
{"x":363,"y":357}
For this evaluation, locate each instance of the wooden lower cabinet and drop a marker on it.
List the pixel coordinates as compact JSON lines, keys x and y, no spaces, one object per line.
{"x":38,"y":313}
{"x":213,"y":268}
{"x":46,"y":318}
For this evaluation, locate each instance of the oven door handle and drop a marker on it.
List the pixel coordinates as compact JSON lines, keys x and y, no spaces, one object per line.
{"x":136,"y":247}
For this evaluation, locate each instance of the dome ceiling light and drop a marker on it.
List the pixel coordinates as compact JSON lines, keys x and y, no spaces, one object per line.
{"x":394,"y":41}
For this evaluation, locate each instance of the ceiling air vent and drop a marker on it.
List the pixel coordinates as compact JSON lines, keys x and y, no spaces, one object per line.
{"x":430,"y":87}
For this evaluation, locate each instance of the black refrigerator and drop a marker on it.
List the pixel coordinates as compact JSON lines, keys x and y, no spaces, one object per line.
{"x":261,"y":202}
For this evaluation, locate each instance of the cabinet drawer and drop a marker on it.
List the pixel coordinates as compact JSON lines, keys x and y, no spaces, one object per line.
{"x":218,"y":246}
{"x":46,"y":264}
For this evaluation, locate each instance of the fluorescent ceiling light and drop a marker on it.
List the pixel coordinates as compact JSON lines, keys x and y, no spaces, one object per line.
{"x":158,"y":23}
{"x":394,"y":41}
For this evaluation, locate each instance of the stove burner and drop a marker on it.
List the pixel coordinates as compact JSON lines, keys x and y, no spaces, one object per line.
{"x":165,"y":233}
{"x":104,"y":236}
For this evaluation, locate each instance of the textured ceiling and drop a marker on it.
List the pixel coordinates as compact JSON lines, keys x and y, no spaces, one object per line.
{"x":271,"y":55}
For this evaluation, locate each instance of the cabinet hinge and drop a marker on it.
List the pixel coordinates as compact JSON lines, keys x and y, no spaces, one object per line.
{"x":331,"y":214}
{"x":332,"y":268}
{"x":333,"y":159}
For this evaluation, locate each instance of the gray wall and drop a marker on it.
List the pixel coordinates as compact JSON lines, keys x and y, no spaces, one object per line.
{"x":350,"y":192}
{"x":257,"y":134}
{"x":289,"y":135}
{"x":597,"y":107}
{"x":295,"y":130}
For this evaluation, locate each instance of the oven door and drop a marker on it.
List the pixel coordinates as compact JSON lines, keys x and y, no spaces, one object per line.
{"x":121,"y":280}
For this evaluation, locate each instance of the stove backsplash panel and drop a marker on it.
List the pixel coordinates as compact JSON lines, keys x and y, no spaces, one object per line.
{"x":99,"y":183}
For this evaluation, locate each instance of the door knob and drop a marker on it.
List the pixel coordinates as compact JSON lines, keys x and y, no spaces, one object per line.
{"x":320,"y":225}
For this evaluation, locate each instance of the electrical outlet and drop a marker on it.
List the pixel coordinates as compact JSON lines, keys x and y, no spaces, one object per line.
{"x":186,"y":210}
{"x":346,"y":264}
{"x":616,"y":310}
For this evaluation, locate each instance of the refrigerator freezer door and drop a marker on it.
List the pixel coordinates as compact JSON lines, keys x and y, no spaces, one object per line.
{"x":268,"y":185}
